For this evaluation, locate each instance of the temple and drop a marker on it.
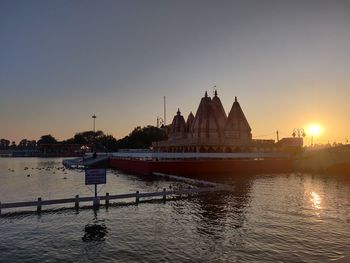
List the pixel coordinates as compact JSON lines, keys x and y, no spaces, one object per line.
{"x":211,"y":130}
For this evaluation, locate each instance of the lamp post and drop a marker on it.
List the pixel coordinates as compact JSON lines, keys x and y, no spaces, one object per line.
{"x":93,"y":118}
{"x":160,"y":124}
{"x":298,"y":132}
{"x":93,"y":123}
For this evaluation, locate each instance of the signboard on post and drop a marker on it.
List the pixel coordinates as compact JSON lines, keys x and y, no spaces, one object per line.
{"x":95,"y":176}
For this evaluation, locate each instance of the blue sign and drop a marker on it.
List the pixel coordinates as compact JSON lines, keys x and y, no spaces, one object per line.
{"x":95,"y":176}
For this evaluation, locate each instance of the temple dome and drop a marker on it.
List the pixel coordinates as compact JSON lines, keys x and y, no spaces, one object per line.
{"x":189,"y":122}
{"x":237,"y":125}
{"x":205,"y":124}
{"x":178,"y":126}
{"x":219,"y":113}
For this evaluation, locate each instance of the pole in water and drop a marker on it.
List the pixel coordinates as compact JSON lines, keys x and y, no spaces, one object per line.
{"x":107,"y":200}
{"x":164,"y":195}
{"x":76,"y":202}
{"x":137,"y":197}
{"x":96,"y":202}
{"x":38,"y":209}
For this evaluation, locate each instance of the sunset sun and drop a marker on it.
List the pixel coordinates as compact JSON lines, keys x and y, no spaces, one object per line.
{"x":314,"y":129}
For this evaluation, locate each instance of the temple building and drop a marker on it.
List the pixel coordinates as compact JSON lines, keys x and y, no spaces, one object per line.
{"x":211,"y":130}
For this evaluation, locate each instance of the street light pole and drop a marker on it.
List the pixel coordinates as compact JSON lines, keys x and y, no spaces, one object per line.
{"x":94,"y":118}
{"x":164,"y":118}
{"x":93,"y":143}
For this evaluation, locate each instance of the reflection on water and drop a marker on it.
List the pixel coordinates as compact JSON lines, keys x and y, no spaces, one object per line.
{"x":215,"y":208}
{"x":316,"y":200}
{"x":264,"y":218}
{"x":95,"y":231}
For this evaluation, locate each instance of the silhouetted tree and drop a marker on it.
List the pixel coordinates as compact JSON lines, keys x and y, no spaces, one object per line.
{"x":86,"y":137}
{"x":139,"y":138}
{"x":32,"y":144}
{"x":47,"y":139}
{"x":4,"y":144}
{"x":23,"y":144}
{"x":13,"y":144}
{"x":98,"y":139}
{"x":142,"y":138}
{"x":107,"y":143}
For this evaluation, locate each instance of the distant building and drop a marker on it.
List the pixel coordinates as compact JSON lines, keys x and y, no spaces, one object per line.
{"x":211,"y":130}
{"x":290,"y":143}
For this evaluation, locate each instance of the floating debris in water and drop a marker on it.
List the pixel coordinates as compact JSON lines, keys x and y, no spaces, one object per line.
{"x":94,"y":232}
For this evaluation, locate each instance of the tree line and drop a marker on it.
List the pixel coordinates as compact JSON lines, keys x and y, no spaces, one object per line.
{"x":139,"y":138}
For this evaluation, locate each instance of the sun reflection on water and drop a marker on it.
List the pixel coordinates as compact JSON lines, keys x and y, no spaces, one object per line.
{"x":316,"y":200}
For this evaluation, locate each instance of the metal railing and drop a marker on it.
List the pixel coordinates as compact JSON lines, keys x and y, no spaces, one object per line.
{"x":39,"y":203}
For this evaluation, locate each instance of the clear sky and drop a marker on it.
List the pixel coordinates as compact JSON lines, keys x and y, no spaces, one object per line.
{"x":63,"y":61}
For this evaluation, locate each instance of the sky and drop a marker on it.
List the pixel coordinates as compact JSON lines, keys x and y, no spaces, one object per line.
{"x":62,"y":61}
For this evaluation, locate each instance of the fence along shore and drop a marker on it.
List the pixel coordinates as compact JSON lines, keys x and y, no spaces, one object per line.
{"x":39,"y":203}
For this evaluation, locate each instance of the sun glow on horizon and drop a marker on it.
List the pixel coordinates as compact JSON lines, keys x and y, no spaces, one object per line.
{"x":314,"y":129}
{"x":315,"y":200}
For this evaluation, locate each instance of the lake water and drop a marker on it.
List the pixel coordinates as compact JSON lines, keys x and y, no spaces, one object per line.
{"x":264,"y":218}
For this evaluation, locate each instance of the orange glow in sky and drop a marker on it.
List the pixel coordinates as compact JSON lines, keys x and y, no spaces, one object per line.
{"x":287,"y":63}
{"x":314,"y":129}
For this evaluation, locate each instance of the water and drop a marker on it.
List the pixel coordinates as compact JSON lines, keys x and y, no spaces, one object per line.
{"x":265,"y":218}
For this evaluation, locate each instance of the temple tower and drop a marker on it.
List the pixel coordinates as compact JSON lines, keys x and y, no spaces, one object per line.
{"x":189,"y":122}
{"x":219,"y":113}
{"x":237,"y":126}
{"x":204,"y":123}
{"x":178,"y":127}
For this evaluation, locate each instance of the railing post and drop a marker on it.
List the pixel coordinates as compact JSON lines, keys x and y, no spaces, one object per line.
{"x":137,"y":197}
{"x":107,"y":200}
{"x":164,"y":195}
{"x":76,"y":202}
{"x":0,"y":208}
{"x":38,"y":208}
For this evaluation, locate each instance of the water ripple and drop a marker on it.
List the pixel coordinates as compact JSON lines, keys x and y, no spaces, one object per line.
{"x":267,"y":218}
